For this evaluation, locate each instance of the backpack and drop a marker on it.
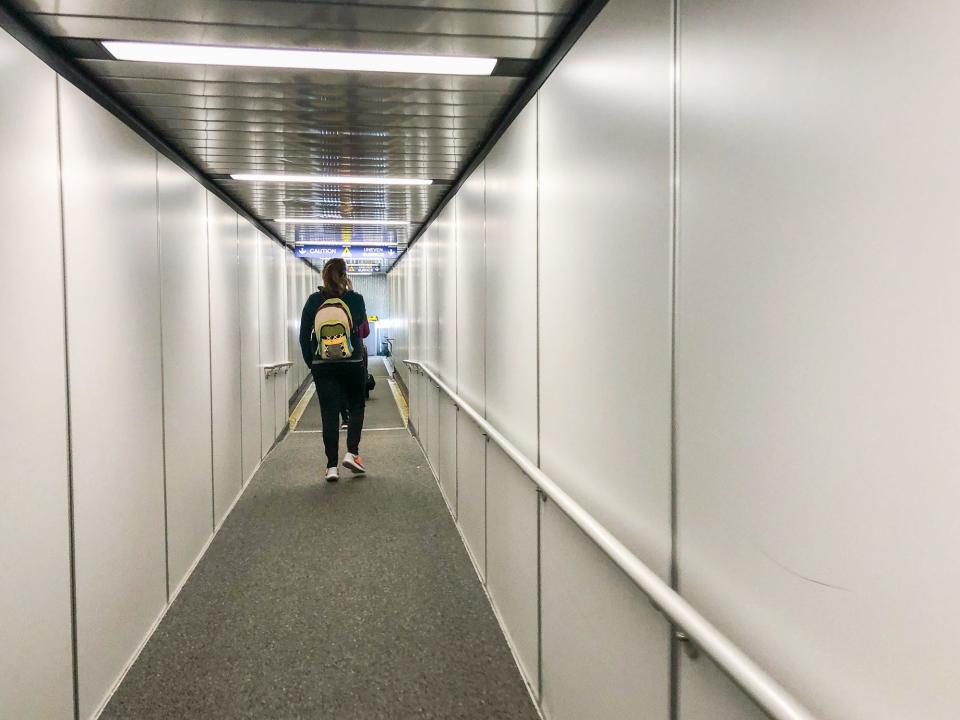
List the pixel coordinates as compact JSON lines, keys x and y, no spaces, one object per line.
{"x":332,"y":328}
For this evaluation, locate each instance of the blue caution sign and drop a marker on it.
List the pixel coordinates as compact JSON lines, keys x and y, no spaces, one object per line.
{"x":347,"y":252}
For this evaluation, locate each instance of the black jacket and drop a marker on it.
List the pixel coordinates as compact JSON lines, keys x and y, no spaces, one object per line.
{"x":358,"y":310}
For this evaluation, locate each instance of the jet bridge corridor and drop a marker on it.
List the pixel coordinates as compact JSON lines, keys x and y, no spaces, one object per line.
{"x":662,"y":310}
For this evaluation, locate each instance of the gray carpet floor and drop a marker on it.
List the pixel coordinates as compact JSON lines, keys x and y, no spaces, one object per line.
{"x":354,"y":600}
{"x":376,"y":367}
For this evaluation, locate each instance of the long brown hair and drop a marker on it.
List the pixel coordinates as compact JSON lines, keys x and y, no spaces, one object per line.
{"x":335,"y":280}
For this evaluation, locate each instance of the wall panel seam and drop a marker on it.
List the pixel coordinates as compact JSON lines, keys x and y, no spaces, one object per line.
{"x":236,"y":245}
{"x":213,"y":486}
{"x":674,"y":656}
{"x":163,"y":387}
{"x":456,"y":350}
{"x":261,"y":379}
{"x":75,"y":667}
{"x":483,"y":349}
{"x":537,"y":305}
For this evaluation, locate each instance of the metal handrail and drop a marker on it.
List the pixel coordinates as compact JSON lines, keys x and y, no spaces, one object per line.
{"x":766,"y":692}
{"x":273,"y":368}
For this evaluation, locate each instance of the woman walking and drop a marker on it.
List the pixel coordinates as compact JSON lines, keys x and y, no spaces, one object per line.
{"x":332,"y":328}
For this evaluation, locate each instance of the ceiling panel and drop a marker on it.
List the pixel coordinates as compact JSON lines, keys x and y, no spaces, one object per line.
{"x":307,"y":121}
{"x":236,"y":119}
{"x":328,"y":105}
{"x":300,"y":91}
{"x":440,"y":18}
{"x":306,"y":81}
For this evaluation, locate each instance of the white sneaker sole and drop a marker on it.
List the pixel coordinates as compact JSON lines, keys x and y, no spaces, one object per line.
{"x":354,"y":468}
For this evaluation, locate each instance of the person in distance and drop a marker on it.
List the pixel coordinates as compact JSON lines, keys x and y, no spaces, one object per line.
{"x":332,"y":328}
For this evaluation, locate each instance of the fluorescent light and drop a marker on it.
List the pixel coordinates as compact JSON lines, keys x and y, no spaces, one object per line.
{"x":301,"y":59}
{"x":337,"y":221}
{"x":329,"y":179}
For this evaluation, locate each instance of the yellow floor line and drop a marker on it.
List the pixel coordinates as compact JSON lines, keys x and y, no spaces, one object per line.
{"x":401,"y":402}
{"x":301,"y":407}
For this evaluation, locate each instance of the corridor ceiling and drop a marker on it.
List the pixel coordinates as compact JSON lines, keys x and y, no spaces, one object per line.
{"x":256,"y":120}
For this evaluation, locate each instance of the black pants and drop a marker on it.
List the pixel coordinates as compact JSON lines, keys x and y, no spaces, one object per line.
{"x":338,"y":387}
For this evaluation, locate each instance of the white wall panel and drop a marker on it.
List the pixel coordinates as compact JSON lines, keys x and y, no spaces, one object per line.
{"x":511,"y":283}
{"x":113,"y":313}
{"x":186,"y":367}
{"x":417,"y":306}
{"x":410,"y":378}
{"x":397,"y":316}
{"x":413,"y":401}
{"x":446,"y":364}
{"x":471,"y":487}
{"x":605,"y":648}
{"x":305,"y":290}
{"x":433,"y":288}
{"x":250,"y":372}
{"x":818,"y":401}
{"x":225,"y":355}
{"x":310,"y":287}
{"x":447,"y":451}
{"x":605,"y":166}
{"x":35,"y":660}
{"x":272,"y":340}
{"x":407,"y":328}
{"x":294,"y":305}
{"x":392,"y":312}
{"x":433,"y":424}
{"x":267,"y":279}
{"x":707,"y":694}
{"x":405,"y":318}
{"x":423,"y":349}
{"x":282,"y":405}
{"x":470,"y":290}
{"x":429,"y":437}
{"x":423,"y":412}
{"x":605,"y":183}
{"x":511,"y":555}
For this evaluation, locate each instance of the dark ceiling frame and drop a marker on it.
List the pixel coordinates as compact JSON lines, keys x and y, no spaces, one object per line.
{"x":55,"y":54}
{"x":574,"y":28}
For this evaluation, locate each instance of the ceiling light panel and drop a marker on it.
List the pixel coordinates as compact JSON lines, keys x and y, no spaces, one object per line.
{"x":340,"y":221}
{"x":328,"y":179}
{"x":299,"y":59}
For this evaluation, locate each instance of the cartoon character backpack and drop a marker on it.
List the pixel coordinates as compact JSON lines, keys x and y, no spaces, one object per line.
{"x":332,"y":327}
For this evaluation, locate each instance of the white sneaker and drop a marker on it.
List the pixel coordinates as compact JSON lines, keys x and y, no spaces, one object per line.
{"x":354,"y":463}
{"x":333,"y":474}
